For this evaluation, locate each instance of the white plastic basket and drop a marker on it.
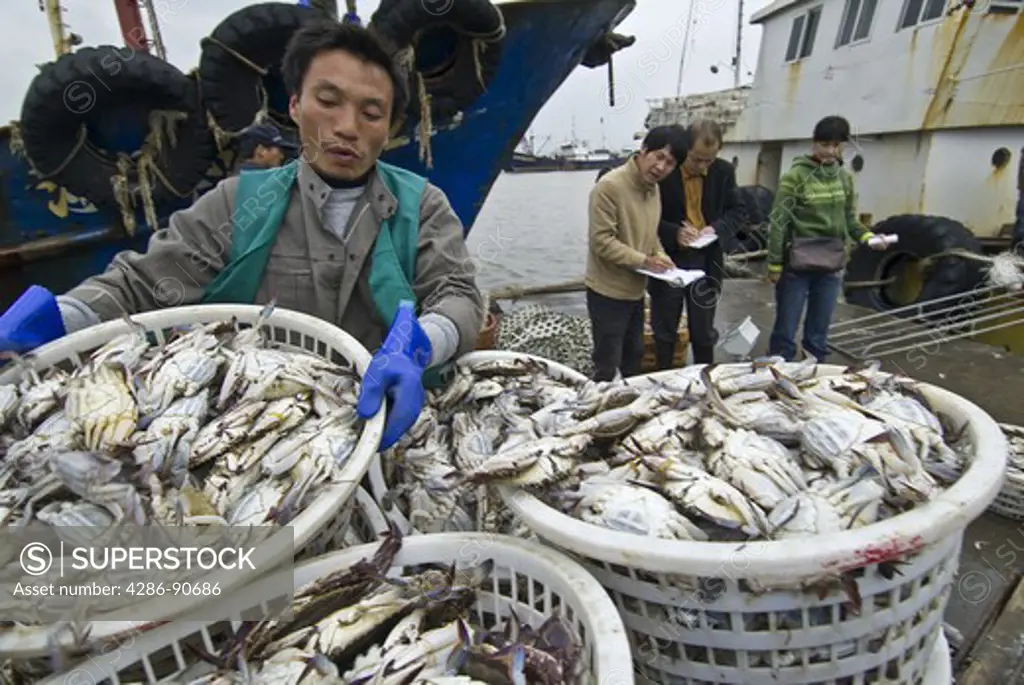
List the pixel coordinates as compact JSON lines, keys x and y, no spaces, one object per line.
{"x":686,"y":605}
{"x":1010,"y":500}
{"x":940,"y":666}
{"x":379,"y":486}
{"x":554,"y":585}
{"x":319,"y":526}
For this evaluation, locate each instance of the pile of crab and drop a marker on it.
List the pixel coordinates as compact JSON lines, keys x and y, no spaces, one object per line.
{"x":767,"y":450}
{"x":1015,"y":438}
{"x":363,"y":624}
{"x":213,"y":425}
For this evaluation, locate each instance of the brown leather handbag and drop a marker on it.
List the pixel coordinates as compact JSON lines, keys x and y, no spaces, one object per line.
{"x":817,"y":254}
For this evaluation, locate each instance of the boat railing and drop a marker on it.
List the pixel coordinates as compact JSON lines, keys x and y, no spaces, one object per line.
{"x":926,"y":324}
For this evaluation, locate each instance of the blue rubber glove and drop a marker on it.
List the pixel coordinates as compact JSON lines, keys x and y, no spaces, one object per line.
{"x":33,"y":320}
{"x":396,"y":371}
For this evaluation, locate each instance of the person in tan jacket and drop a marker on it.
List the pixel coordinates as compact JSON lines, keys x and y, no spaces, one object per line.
{"x":625,"y":208}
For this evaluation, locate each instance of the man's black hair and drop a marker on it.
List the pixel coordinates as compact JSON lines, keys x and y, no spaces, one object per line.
{"x":673,"y":136}
{"x":319,"y":36}
{"x":832,"y":129}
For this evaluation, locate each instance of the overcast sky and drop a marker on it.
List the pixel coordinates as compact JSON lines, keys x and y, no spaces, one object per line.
{"x":647,"y":69}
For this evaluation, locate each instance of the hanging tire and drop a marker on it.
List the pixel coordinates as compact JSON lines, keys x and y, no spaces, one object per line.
{"x":232,"y":91}
{"x":920,"y":236}
{"x":78,"y":107}
{"x":451,"y":30}
{"x":757,"y":203}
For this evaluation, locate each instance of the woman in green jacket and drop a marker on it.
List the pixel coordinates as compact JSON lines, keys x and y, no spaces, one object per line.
{"x":813,"y":217}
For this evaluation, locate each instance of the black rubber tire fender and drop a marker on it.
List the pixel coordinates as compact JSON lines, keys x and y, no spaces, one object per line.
{"x":757,"y":200}
{"x":456,"y":84}
{"x":920,"y":236}
{"x":757,"y":203}
{"x":232,"y":91}
{"x":89,"y":84}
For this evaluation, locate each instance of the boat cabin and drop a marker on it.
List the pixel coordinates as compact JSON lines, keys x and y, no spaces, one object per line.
{"x":933,"y":90}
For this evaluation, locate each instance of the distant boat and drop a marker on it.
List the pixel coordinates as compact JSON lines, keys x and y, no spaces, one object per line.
{"x":573,"y":155}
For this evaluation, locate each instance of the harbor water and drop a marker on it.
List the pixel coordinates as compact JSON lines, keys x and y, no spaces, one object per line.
{"x":532,"y":231}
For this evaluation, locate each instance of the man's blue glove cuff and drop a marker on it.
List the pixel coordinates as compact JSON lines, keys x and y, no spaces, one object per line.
{"x":407,"y":337}
{"x":33,"y":320}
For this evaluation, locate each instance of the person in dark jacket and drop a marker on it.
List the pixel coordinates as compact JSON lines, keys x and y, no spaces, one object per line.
{"x":699,"y":198}
{"x":263,"y":147}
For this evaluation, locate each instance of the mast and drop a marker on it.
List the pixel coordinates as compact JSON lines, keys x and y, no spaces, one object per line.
{"x":154,"y":29}
{"x":130,"y":17}
{"x":55,"y":17}
{"x":739,"y":45}
{"x":686,"y":43}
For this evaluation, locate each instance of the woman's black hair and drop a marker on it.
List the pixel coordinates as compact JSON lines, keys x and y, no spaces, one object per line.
{"x":832,"y":129}
{"x":673,"y":136}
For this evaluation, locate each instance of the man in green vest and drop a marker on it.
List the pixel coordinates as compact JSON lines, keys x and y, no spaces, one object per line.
{"x":337,"y":234}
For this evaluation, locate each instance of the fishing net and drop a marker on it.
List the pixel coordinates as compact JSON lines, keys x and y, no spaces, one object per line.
{"x":542,"y":331}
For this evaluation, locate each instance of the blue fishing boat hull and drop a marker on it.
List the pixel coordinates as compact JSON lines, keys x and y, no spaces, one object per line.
{"x":55,"y":239}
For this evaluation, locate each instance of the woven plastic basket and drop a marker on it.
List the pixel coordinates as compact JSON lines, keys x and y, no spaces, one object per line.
{"x":693,"y":614}
{"x":319,"y":526}
{"x":1010,"y":500}
{"x":536,"y":582}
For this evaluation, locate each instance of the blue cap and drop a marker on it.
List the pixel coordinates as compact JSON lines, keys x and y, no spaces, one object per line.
{"x":268,"y":134}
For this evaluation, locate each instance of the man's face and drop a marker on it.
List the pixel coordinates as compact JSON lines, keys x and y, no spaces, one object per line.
{"x":343,"y":113}
{"x":826,"y":152}
{"x":701,"y":156}
{"x":655,"y":165}
{"x":269,"y":155}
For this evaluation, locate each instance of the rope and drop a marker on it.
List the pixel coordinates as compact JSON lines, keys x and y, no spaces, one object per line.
{"x":237,"y":55}
{"x":17,"y":145}
{"x":425,"y":122}
{"x":162,"y":131}
{"x":223,"y":137}
{"x":83,"y":136}
{"x":479,"y":45}
{"x":122,"y":197}
{"x":956,"y":252}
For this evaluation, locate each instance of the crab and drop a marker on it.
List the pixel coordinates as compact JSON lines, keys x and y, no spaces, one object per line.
{"x":332,"y":438}
{"x":614,"y":423}
{"x":230,"y":429}
{"x":90,"y":476}
{"x":9,"y":401}
{"x":40,"y":396}
{"x":758,"y":466}
{"x":259,"y":373}
{"x":695,"y":491}
{"x":165,"y":445}
{"x":184,"y":368}
{"x":542,"y":462}
{"x":850,"y":503}
{"x":613,"y":503}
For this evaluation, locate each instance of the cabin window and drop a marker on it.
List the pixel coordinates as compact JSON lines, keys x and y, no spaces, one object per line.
{"x":919,"y":11}
{"x":857,"y":20}
{"x":1005,"y":6}
{"x":801,"y":35}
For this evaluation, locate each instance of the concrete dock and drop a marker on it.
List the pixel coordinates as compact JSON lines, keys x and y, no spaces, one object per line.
{"x":987,"y":602}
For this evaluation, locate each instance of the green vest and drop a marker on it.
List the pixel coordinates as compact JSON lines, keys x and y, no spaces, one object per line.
{"x":393,"y":265}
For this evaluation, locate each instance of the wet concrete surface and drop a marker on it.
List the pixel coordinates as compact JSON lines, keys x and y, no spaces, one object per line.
{"x":992,"y":559}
